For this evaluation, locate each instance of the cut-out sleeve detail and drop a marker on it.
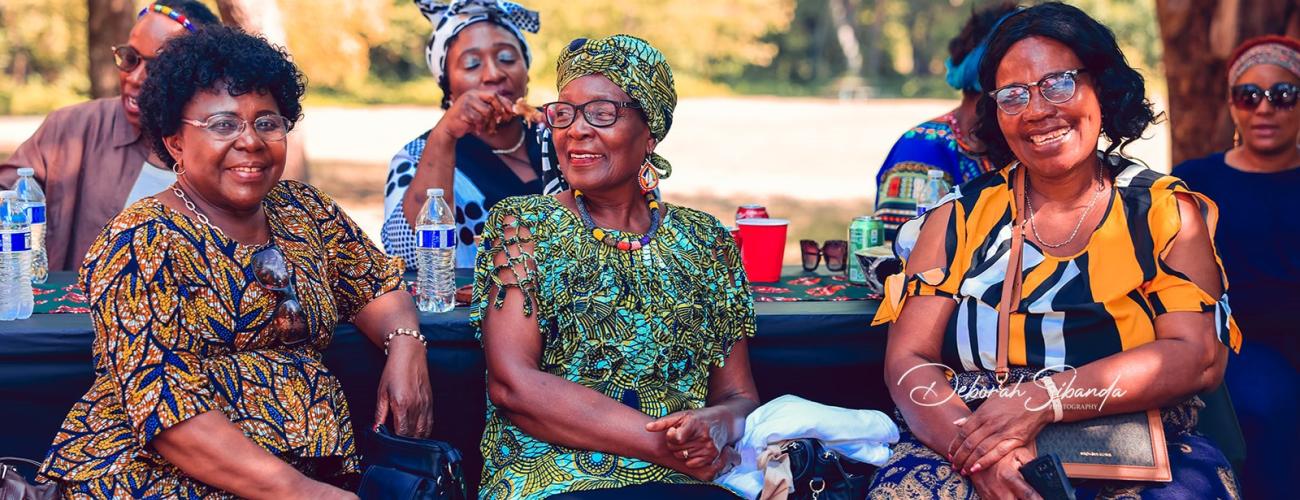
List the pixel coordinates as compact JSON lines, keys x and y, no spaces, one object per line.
{"x":1172,"y":291}
{"x":938,"y":281}
{"x":506,"y":260}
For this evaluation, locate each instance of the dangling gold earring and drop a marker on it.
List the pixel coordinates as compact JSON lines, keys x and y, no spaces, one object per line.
{"x":177,"y":168}
{"x":648,"y":178}
{"x":1236,"y":137}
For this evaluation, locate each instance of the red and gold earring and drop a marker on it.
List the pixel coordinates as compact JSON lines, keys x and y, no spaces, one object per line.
{"x":648,"y":177}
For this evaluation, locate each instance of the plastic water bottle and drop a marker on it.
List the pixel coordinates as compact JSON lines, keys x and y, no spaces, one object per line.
{"x":16,"y":299}
{"x":30,"y":194}
{"x":935,"y":189}
{"x":435,"y":235}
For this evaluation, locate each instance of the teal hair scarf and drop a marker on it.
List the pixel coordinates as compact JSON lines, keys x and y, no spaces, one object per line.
{"x":966,"y":76}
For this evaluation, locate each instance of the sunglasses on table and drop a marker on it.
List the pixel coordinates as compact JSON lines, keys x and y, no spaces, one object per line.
{"x":273,"y":273}
{"x":126,"y":58}
{"x":1281,"y":95}
{"x":1056,"y":88}
{"x":599,"y":113}
{"x":835,"y":251}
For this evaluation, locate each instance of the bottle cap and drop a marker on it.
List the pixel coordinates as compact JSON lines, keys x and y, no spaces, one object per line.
{"x":27,"y":171}
{"x":433,"y":192}
{"x":934,"y":173}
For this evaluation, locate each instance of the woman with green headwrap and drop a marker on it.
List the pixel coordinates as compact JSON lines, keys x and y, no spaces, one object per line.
{"x":614,"y":325}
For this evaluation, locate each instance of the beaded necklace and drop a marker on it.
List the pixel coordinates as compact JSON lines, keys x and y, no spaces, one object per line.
{"x":624,"y":244}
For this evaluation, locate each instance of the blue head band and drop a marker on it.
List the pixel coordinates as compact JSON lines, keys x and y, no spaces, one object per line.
{"x":966,"y":76}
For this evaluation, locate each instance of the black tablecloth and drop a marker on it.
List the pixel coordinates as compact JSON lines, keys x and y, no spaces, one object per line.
{"x":824,"y":351}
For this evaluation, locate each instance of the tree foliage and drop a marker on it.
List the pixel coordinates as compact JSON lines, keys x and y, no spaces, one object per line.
{"x":373,"y":50}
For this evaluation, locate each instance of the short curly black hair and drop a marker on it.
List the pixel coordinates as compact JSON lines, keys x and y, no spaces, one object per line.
{"x":213,"y":57}
{"x":1121,"y":91}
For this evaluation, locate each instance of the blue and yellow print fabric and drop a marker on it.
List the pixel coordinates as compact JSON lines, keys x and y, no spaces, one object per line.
{"x":182,"y":328}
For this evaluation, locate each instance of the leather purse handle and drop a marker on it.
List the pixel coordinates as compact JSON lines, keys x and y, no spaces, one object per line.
{"x":1011,"y":283}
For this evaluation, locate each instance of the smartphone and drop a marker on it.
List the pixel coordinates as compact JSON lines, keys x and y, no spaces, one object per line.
{"x":1046,"y":475}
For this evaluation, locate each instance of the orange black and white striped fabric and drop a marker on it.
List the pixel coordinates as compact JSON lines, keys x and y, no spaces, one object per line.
{"x":1073,"y":310}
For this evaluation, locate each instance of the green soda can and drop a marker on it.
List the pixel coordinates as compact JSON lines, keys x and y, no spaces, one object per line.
{"x":864,"y":232}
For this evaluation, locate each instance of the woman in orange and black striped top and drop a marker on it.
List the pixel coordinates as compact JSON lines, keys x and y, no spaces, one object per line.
{"x":1121,"y":284}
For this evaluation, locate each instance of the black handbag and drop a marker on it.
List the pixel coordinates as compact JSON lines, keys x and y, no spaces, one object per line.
{"x":14,"y":486}
{"x":409,"y":468}
{"x":822,"y":474}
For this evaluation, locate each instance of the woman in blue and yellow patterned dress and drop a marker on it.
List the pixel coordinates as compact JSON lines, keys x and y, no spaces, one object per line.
{"x":945,"y":143}
{"x":614,"y":325}
{"x":1121,"y":285}
{"x":212,"y":301}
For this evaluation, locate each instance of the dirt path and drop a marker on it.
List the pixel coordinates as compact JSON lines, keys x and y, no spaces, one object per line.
{"x":808,"y":159}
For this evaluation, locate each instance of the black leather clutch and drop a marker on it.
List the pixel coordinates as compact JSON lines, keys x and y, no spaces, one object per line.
{"x":819,"y":473}
{"x":409,"y":468}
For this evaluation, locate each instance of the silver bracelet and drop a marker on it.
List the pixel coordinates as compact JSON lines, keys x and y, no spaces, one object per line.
{"x":1054,"y":396}
{"x":404,"y":331}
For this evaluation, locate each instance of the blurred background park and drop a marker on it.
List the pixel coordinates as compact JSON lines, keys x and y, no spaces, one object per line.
{"x":789,"y":103}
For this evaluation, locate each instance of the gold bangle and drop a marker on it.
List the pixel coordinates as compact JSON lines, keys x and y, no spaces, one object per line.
{"x":404,"y":331}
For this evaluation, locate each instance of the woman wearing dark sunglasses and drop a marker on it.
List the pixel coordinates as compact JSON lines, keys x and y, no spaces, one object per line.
{"x":1255,"y":185}
{"x":90,"y":158}
{"x":213,"y":300}
{"x":1120,"y":284}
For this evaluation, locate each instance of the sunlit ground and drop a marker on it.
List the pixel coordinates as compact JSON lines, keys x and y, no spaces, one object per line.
{"x":812,"y":161}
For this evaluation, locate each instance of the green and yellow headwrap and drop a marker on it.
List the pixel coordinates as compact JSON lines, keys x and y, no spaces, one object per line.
{"x":637,"y":68}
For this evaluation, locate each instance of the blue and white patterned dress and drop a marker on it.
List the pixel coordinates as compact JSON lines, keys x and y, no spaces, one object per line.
{"x":481,"y":181}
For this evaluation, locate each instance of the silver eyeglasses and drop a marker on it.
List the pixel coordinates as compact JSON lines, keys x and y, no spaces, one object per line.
{"x":228,"y":127}
{"x":1056,"y":88}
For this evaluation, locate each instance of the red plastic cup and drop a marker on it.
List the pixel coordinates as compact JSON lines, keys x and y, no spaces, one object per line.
{"x":764,"y":248}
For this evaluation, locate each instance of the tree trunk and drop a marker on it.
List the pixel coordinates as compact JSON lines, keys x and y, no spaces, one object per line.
{"x":875,"y":48}
{"x":920,"y":35}
{"x":842,"y":17}
{"x":109,"y":24}
{"x":264,"y":17}
{"x":1199,"y":36}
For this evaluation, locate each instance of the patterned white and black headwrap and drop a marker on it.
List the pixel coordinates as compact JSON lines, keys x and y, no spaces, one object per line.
{"x":449,"y":18}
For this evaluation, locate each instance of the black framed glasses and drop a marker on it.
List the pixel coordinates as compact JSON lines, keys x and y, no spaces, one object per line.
{"x":127,"y":59}
{"x":228,"y":127}
{"x":599,"y":113}
{"x":1056,"y":88}
{"x":274,"y":274}
{"x":835,"y":251}
{"x":1281,"y":95}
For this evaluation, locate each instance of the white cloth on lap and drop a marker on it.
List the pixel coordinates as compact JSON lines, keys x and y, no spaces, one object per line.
{"x":861,"y":435}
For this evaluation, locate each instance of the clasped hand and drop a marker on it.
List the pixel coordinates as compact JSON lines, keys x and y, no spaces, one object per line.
{"x":998,"y":426}
{"x":699,"y":441}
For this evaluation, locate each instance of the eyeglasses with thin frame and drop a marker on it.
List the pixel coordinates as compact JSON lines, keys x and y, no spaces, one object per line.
{"x":835,"y":251}
{"x":273,"y":273}
{"x":228,"y":127}
{"x":1056,"y":88}
{"x":599,"y":113}
{"x":1281,"y":95}
{"x":127,"y":59}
